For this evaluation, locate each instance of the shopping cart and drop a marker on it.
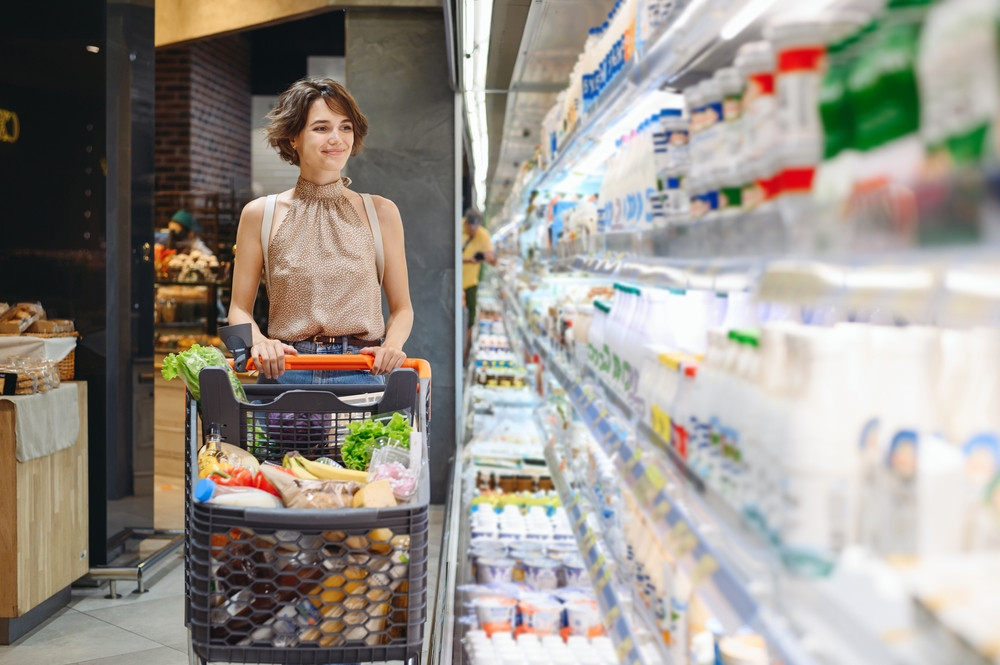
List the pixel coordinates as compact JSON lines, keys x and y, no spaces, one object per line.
{"x":297,"y":585}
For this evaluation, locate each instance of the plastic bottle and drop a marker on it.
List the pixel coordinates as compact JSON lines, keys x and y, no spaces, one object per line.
{"x":817,"y":459}
{"x":977,"y":436}
{"x":597,"y":352}
{"x":958,"y":100}
{"x":885,"y":96}
{"x":756,"y":63}
{"x":919,"y":477}
{"x":771,"y":424}
{"x":729,"y":166}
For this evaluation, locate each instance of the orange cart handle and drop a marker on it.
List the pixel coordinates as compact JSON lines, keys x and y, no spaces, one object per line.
{"x":336,"y":361}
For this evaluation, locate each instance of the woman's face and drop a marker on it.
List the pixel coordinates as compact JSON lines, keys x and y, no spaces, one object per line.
{"x":325,"y":143}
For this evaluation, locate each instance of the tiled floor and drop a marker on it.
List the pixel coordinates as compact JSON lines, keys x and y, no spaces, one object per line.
{"x":146,"y":629}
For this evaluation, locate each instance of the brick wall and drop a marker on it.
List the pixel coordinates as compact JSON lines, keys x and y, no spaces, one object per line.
{"x":173,"y":127}
{"x":203,"y":121}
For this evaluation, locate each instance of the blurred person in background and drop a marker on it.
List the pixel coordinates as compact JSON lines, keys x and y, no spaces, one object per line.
{"x":477,"y":248}
{"x":183,"y":235}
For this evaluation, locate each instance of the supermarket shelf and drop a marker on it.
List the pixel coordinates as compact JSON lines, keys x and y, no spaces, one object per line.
{"x":680,"y":505}
{"x":668,"y":58}
{"x":610,"y":600}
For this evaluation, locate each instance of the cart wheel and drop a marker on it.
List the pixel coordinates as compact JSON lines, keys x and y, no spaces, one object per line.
{"x":193,"y":658}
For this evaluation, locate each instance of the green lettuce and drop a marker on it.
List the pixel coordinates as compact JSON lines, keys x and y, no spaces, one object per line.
{"x":188,"y":365}
{"x":356,"y":449}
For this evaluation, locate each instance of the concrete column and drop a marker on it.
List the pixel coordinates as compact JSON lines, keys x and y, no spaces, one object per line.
{"x":397,"y":70}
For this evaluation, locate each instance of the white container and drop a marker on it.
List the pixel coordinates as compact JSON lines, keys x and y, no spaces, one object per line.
{"x":800,"y":45}
{"x":919,"y":477}
{"x":757,"y":65}
{"x":818,"y":459}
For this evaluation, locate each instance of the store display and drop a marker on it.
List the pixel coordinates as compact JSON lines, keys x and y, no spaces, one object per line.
{"x":770,"y":435}
{"x":36,"y":352}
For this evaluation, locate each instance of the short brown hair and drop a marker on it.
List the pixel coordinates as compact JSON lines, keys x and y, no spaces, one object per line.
{"x":289,"y":116}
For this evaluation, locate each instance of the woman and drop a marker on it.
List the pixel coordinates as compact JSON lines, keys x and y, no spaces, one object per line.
{"x":319,"y":250}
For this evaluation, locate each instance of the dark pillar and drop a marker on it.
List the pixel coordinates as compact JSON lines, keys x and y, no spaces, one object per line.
{"x":397,"y":69}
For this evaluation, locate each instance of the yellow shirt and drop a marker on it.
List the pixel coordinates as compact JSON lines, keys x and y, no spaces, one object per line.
{"x":480,"y":243}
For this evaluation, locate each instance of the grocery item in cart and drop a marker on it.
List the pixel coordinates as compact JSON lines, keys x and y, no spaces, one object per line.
{"x":188,"y":365}
{"x":223,"y":495}
{"x":302,"y":493}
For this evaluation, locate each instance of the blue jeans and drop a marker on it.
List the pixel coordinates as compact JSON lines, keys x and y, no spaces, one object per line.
{"x":327,"y":376}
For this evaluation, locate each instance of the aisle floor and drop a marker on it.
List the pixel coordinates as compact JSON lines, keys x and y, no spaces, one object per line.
{"x":142,"y":629}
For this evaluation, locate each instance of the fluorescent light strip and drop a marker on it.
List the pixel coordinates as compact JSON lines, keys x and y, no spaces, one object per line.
{"x":477,"y":17}
{"x":750,"y":12}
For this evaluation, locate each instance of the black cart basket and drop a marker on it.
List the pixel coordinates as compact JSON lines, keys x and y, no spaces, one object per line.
{"x":304,"y":585}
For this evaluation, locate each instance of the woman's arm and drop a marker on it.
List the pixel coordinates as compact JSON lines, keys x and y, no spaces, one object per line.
{"x":268,"y":354}
{"x":396,"y":283}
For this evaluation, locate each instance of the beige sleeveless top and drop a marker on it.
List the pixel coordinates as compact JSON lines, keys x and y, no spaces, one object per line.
{"x":323,"y":277}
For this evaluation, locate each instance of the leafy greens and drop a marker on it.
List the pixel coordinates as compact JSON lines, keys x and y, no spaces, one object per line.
{"x":356,"y":449}
{"x":188,"y":364}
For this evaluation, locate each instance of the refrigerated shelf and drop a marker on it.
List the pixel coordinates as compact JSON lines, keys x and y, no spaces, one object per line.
{"x":681,"y":507}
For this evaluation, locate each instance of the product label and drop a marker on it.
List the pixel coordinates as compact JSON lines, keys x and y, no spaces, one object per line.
{"x":809,"y":59}
{"x":660,"y":422}
{"x":797,"y":180}
{"x":732,"y":107}
{"x":680,"y":439}
{"x":730,"y":198}
{"x":798,"y":103}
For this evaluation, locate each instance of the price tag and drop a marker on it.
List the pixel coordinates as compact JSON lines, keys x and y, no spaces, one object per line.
{"x":661,"y":506}
{"x":651,"y":482}
{"x":705,"y":568}
{"x":631,"y":459}
{"x":611,"y":617}
{"x":686,"y":543}
{"x":603,"y":581}
{"x":623,"y":648}
{"x":607,"y":594}
{"x":596,"y":566}
{"x":676,"y":534}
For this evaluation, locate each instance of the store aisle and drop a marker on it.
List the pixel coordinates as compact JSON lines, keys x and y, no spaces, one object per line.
{"x":140,"y":630}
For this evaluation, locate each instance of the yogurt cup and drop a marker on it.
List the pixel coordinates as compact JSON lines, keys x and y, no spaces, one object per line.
{"x":574,"y":572}
{"x":583,"y":617}
{"x":496,"y":614}
{"x":541,"y":574}
{"x":494,"y":570}
{"x":540,"y":615}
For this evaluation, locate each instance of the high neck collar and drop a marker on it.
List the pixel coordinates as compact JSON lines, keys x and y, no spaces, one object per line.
{"x":311,"y":191}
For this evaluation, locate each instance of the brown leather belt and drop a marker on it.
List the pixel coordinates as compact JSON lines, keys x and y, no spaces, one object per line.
{"x":344,"y":340}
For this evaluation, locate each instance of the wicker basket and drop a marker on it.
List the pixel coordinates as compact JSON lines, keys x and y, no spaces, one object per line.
{"x":66,"y":366}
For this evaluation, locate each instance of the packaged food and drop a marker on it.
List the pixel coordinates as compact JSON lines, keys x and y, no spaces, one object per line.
{"x":301,"y":493}
{"x":493,"y":570}
{"x":496,"y":614}
{"x":246,"y":497}
{"x":583,"y":617}
{"x":541,"y":573}
{"x":540,"y":614}
{"x":392,"y":463}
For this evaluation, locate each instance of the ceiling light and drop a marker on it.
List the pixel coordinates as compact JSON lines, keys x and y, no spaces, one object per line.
{"x":93,"y":49}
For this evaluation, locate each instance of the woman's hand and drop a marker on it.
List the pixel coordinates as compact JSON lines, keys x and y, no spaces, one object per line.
{"x":387,"y":358}
{"x":269,"y":357}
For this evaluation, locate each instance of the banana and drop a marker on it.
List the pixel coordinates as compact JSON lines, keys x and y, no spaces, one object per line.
{"x":329,"y":472}
{"x":292,"y":462}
